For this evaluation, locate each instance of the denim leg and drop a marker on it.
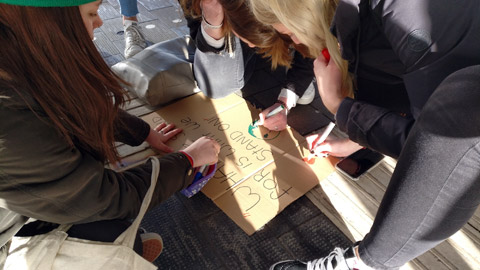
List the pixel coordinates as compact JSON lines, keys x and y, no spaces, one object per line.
{"x":128,"y":8}
{"x":435,"y":188}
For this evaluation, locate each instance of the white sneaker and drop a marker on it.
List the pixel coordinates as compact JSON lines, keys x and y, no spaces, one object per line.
{"x":338,"y":259}
{"x":134,"y":40}
{"x":308,"y":96}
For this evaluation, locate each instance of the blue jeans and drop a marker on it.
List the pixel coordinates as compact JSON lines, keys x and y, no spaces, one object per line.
{"x":128,"y":8}
{"x":435,"y":188}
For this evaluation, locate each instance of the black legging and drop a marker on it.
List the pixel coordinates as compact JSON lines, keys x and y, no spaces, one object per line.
{"x":435,"y":188}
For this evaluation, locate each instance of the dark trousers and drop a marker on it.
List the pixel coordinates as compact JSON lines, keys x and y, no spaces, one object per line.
{"x":435,"y":188}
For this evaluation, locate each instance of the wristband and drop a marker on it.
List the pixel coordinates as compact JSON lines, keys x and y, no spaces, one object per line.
{"x":207,"y":25}
{"x":190,"y":159}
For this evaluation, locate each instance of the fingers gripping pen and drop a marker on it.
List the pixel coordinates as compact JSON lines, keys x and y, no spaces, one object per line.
{"x":321,"y":139}
{"x":271,"y":113}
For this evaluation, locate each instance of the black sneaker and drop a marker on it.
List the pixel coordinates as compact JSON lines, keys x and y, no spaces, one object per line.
{"x":338,"y":259}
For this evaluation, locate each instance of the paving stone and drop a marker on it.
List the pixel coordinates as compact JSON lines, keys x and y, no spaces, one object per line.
{"x":144,"y":14}
{"x":107,"y":11}
{"x":155,"y":4}
{"x":105,"y":46}
{"x":171,"y":16}
{"x":181,"y":30}
{"x":113,"y":59}
{"x":113,"y":3}
{"x":113,"y":29}
{"x":156,"y":31}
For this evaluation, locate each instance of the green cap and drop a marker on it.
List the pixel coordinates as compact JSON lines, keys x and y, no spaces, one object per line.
{"x":46,"y":3}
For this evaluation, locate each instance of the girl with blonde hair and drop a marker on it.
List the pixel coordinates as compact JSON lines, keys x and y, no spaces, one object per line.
{"x":416,"y":69}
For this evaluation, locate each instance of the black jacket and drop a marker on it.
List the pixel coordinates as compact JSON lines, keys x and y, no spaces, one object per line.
{"x":410,"y":42}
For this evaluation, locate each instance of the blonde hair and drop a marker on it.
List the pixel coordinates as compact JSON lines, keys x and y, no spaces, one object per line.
{"x":310,"y":21}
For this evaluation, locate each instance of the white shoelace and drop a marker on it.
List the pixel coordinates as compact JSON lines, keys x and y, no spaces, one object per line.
{"x":326,"y":262}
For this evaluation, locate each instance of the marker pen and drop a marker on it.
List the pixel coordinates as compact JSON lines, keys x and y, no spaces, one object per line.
{"x":199,"y":173}
{"x":322,"y":138}
{"x":326,"y":54}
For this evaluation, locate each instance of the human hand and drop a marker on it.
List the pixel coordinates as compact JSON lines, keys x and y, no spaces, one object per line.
{"x":275,"y":122}
{"x":329,"y":82}
{"x":334,"y":147}
{"x":159,"y":135}
{"x":203,"y":151}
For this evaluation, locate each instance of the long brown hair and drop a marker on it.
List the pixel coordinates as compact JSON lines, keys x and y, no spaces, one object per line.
{"x":239,"y":18}
{"x":47,"y":53}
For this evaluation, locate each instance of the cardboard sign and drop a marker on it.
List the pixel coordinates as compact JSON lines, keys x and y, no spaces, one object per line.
{"x":260,"y":172}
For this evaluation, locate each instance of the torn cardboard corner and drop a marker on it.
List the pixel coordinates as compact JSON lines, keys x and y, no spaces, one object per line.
{"x":260,"y":172}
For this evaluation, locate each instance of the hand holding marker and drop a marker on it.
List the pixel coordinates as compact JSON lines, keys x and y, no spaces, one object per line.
{"x":321,"y":139}
{"x":271,"y":113}
{"x":330,"y":126}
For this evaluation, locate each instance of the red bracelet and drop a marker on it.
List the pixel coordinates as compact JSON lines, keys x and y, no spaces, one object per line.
{"x":190,"y":159}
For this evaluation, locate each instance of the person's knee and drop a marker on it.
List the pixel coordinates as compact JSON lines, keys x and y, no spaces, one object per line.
{"x":460,"y":86}
{"x":454,"y":104}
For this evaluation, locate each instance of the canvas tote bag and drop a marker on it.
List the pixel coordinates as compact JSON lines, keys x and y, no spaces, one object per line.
{"x":56,"y":250}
